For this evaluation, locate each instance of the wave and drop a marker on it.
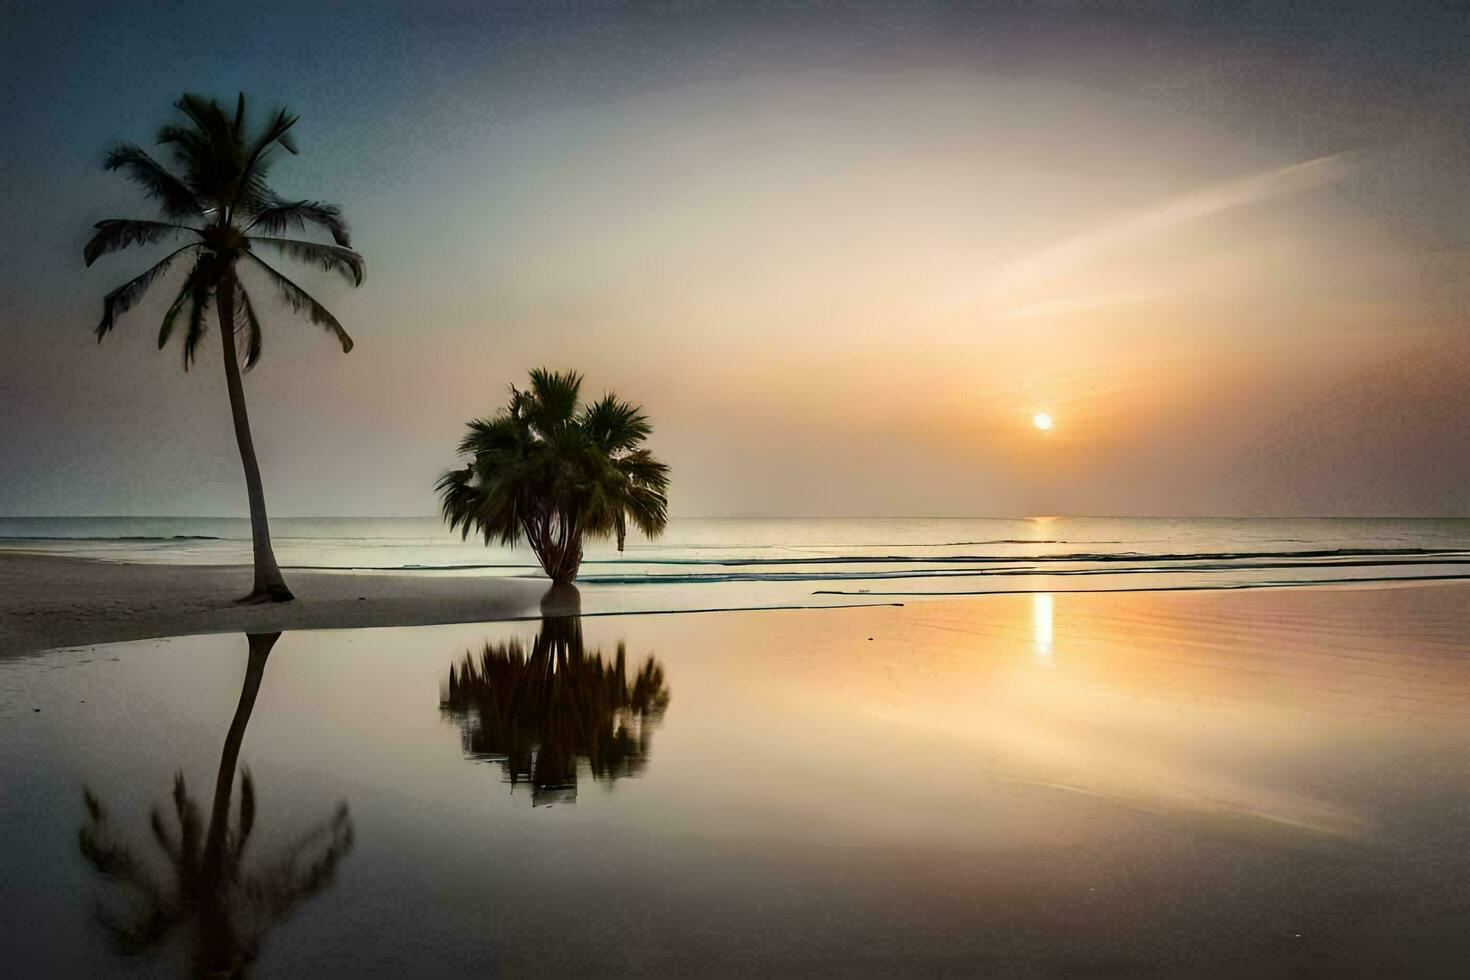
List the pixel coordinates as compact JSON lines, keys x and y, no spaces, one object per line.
{"x":995,"y":564}
{"x":1001,"y":572}
{"x":1205,"y":587}
{"x":1088,"y":556}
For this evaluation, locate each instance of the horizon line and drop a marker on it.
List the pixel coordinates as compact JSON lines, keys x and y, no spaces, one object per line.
{"x":782,"y":517}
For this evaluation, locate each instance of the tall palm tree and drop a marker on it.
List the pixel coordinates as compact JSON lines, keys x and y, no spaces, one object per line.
{"x":553,"y":470}
{"x":223,"y":903}
{"x":220,"y":206}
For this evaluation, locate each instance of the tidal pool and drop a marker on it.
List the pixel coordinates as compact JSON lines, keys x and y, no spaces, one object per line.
{"x":1188,"y":783}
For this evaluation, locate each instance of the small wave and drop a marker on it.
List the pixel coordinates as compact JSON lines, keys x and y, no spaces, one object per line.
{"x":1085,"y":556}
{"x":992,"y":564}
{"x":1001,"y":572}
{"x":1206,"y":587}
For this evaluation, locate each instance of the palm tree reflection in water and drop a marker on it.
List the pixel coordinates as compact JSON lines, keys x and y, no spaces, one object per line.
{"x":539,"y":713}
{"x":226,"y":906}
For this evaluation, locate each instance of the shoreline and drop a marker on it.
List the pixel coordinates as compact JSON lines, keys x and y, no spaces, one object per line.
{"x":50,"y":602}
{"x":53,"y":602}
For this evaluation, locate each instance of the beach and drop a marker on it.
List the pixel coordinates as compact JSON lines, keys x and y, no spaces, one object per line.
{"x":48,"y":602}
{"x":69,"y":581}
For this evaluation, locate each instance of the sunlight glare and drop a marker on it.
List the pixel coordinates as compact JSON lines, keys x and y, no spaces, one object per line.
{"x":1041,"y":627}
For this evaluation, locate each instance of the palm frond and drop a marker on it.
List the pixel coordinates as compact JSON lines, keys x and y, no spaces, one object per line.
{"x":649,"y":510}
{"x":209,"y":151}
{"x":251,"y":326}
{"x":281,"y":216}
{"x":209,"y":117}
{"x":332,"y":258}
{"x":189,"y":145}
{"x":500,"y":434}
{"x":300,"y":300}
{"x":275,"y":133}
{"x":175,"y":197}
{"x":615,"y":425}
{"x":641,"y":468}
{"x":251,"y":192}
{"x":115,"y":234}
{"x":200,"y":292}
{"x":123,"y":298}
{"x":554,"y":397}
{"x":186,"y":293}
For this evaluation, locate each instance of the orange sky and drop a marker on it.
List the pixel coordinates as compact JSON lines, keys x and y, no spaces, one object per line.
{"x":839,"y":289}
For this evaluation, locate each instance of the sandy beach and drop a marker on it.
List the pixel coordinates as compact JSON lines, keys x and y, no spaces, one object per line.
{"x":48,"y":602}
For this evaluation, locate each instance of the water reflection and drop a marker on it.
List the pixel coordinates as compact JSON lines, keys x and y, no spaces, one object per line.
{"x":1041,"y":613}
{"x":539,"y":713}
{"x":218,"y":905}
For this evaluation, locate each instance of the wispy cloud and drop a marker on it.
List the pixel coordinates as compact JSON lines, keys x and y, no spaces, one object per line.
{"x":1207,"y":201}
{"x":1083,"y":304}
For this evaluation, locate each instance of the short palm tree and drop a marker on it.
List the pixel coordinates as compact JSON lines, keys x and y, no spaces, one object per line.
{"x":221,"y":208}
{"x":550,"y":469}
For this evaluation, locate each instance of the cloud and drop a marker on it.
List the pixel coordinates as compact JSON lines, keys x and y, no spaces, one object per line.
{"x":1241,"y":192}
{"x":1082,"y":304}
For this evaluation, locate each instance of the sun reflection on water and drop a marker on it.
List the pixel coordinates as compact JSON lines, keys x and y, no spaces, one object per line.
{"x":1041,"y":627}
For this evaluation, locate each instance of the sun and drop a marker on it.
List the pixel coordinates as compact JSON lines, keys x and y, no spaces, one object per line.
{"x":1042,"y":421}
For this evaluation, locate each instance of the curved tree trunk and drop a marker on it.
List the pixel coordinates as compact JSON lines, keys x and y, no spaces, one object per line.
{"x":220,"y":945}
{"x":219,"y":814}
{"x":270,"y":586}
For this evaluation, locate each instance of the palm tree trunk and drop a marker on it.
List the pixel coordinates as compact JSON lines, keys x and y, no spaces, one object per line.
{"x":219,"y":815}
{"x":571,"y":559}
{"x":560,"y":554}
{"x":270,"y":586}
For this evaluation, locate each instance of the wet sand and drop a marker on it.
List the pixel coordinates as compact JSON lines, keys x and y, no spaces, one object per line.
{"x":48,"y":602}
{"x":1229,"y":783}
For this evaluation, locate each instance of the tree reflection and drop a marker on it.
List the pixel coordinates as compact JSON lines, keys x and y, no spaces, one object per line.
{"x":539,"y":713}
{"x":222,"y":906}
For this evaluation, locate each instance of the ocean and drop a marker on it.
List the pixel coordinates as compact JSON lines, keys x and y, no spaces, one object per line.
{"x":740,"y":562}
{"x":1258,"y":782}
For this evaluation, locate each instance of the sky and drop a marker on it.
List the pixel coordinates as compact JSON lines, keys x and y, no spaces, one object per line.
{"x":842,"y":254}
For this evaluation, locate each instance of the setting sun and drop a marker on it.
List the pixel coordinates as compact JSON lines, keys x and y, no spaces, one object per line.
{"x":1041,"y":420}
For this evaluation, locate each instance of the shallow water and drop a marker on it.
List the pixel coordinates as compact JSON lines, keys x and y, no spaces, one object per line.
{"x":1237,"y":783}
{"x":750,"y":563}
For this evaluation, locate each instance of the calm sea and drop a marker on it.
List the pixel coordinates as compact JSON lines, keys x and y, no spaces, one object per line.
{"x":724,"y":563}
{"x":1246,"y":784}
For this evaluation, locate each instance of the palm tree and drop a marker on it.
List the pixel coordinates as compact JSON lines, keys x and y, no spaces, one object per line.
{"x":540,"y":713}
{"x":223,"y":902}
{"x":222,"y":209}
{"x":553,"y":470}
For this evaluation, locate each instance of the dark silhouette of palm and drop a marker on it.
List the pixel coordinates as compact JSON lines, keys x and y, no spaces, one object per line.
{"x":224,"y":212}
{"x":556,"y":471}
{"x":224,"y":903}
{"x":539,"y":713}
